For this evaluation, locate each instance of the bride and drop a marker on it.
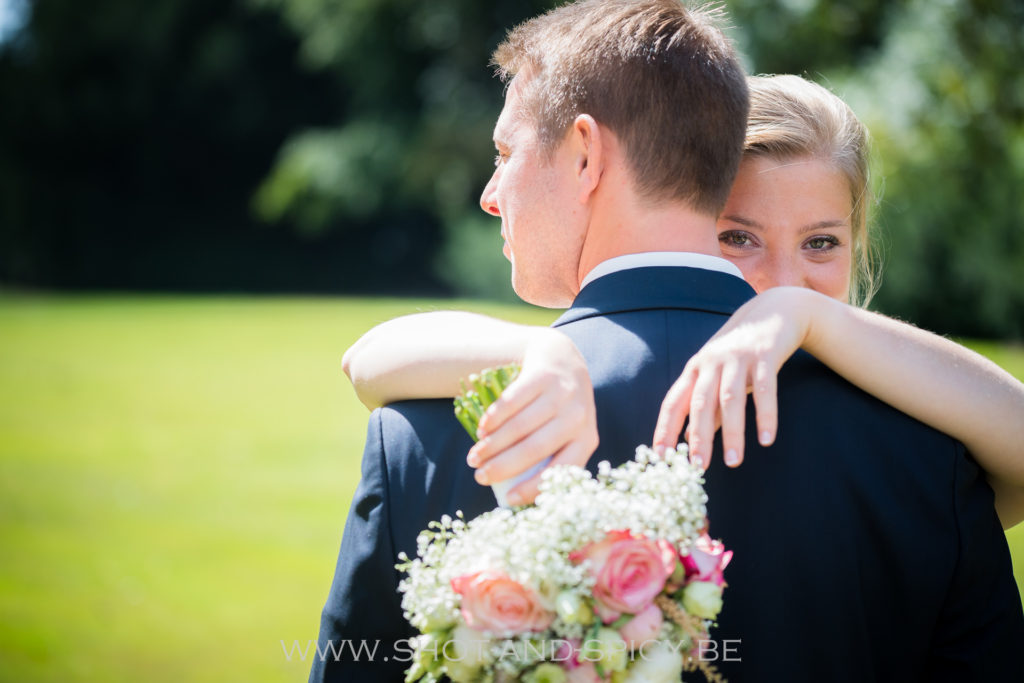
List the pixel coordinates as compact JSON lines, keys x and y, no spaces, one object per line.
{"x":796,"y":225}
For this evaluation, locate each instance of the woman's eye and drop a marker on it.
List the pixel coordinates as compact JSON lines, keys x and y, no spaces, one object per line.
{"x":822,"y":243}
{"x":500,"y":158}
{"x":735,"y":238}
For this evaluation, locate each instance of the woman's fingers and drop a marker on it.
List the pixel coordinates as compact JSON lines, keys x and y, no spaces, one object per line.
{"x":545,"y":416}
{"x":538,"y":444}
{"x":554,"y":385}
{"x":732,"y":399}
{"x":530,"y":418}
{"x":674,"y":409}
{"x":575,"y":453}
{"x":766,"y":402}
{"x":516,"y":396}
{"x":703,"y":414}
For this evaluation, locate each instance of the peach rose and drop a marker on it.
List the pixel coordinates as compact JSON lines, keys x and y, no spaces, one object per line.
{"x":492,"y":601}
{"x":706,"y":561}
{"x":630,"y":571}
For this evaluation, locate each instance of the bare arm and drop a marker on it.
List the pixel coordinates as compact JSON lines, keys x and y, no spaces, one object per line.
{"x":426,"y":354}
{"x":548,"y":411}
{"x":937,"y":381}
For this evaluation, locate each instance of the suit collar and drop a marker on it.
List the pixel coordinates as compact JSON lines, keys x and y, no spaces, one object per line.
{"x":639,"y":289}
{"x":650,"y":259}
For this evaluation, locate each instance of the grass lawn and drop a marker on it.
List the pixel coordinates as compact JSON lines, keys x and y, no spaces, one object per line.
{"x":174,"y":474}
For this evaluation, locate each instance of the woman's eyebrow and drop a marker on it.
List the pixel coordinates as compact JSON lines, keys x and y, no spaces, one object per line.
{"x":818,"y":225}
{"x":821,"y":225}
{"x":732,"y":218}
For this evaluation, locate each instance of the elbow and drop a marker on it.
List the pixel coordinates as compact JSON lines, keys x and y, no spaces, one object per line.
{"x":354,"y":358}
{"x":351,"y":366}
{"x":346,"y":361}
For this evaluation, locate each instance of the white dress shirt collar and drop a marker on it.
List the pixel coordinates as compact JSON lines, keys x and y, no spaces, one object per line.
{"x":660,"y":258}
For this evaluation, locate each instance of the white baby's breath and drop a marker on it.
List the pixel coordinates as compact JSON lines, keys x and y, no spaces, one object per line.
{"x":657,"y":497}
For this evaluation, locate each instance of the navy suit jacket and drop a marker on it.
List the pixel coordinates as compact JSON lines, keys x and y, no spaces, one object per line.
{"x":866,"y":544}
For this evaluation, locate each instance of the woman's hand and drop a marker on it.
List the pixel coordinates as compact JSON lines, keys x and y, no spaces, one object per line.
{"x":547,"y":411}
{"x":744,"y":356}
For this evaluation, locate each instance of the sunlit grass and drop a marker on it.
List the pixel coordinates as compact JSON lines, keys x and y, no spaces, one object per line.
{"x":174,"y":475}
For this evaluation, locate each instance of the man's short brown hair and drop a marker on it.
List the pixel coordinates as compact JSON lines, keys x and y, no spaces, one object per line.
{"x":660,"y":75}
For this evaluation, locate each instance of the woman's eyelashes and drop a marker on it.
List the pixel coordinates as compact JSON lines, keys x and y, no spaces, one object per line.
{"x":741,"y":239}
{"x":822,"y":243}
{"x":738,"y":239}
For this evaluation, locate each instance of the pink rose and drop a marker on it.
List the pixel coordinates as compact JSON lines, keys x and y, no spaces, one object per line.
{"x":706,"y":561}
{"x":568,"y":653}
{"x":584,"y":673}
{"x":643,"y":627}
{"x":492,"y":601}
{"x":630,"y":571}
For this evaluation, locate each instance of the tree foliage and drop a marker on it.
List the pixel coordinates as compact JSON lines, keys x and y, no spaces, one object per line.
{"x":132,"y":138}
{"x":944,"y":97}
{"x":342,"y":144}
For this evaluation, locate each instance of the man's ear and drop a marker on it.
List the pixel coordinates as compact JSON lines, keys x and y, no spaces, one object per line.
{"x":590,"y":153}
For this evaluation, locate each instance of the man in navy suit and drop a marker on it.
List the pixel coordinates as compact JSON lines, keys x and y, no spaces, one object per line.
{"x":867,"y":547}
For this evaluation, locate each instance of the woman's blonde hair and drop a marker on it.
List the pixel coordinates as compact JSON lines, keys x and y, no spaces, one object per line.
{"x":792,"y":117}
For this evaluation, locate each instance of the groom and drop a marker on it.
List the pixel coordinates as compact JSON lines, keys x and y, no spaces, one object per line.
{"x":866,"y":544}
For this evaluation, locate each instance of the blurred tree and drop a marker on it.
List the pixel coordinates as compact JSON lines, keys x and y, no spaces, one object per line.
{"x":944,"y":98}
{"x":152,"y":144}
{"x":416,"y":132}
{"x":809,"y":37}
{"x":132,"y":136}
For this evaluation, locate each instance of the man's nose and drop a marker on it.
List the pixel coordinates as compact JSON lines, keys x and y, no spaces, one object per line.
{"x":488,"y":198}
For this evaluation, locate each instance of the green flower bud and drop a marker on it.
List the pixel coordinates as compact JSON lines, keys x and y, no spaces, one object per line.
{"x":483,"y":390}
{"x":483,"y":386}
{"x":429,"y":653}
{"x":703,"y":599}
{"x":465,"y":654}
{"x":546,"y":672}
{"x":607,"y":650}
{"x":439,"y":619}
{"x":678,"y":574}
{"x":573,"y":609}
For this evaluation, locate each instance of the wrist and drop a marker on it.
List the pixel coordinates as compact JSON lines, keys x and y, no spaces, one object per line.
{"x":550,"y":345}
{"x":822,"y":315}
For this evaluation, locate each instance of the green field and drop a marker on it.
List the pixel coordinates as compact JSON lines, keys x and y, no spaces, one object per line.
{"x":174,"y":475}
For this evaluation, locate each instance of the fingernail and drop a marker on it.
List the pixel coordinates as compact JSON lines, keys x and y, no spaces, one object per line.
{"x":513,"y":498}
{"x":697,"y":460}
{"x":766,"y":438}
{"x":731,"y":457}
{"x":482,"y":478}
{"x":473,"y":459}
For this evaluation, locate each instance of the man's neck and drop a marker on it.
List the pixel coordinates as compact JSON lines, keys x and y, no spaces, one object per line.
{"x":669,"y":228}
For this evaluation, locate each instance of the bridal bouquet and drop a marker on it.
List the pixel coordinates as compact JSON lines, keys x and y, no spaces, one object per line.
{"x":606,"y":578}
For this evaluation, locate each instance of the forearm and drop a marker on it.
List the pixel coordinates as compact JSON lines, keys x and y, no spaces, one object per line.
{"x":933,"y":379}
{"x":425,"y":355}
